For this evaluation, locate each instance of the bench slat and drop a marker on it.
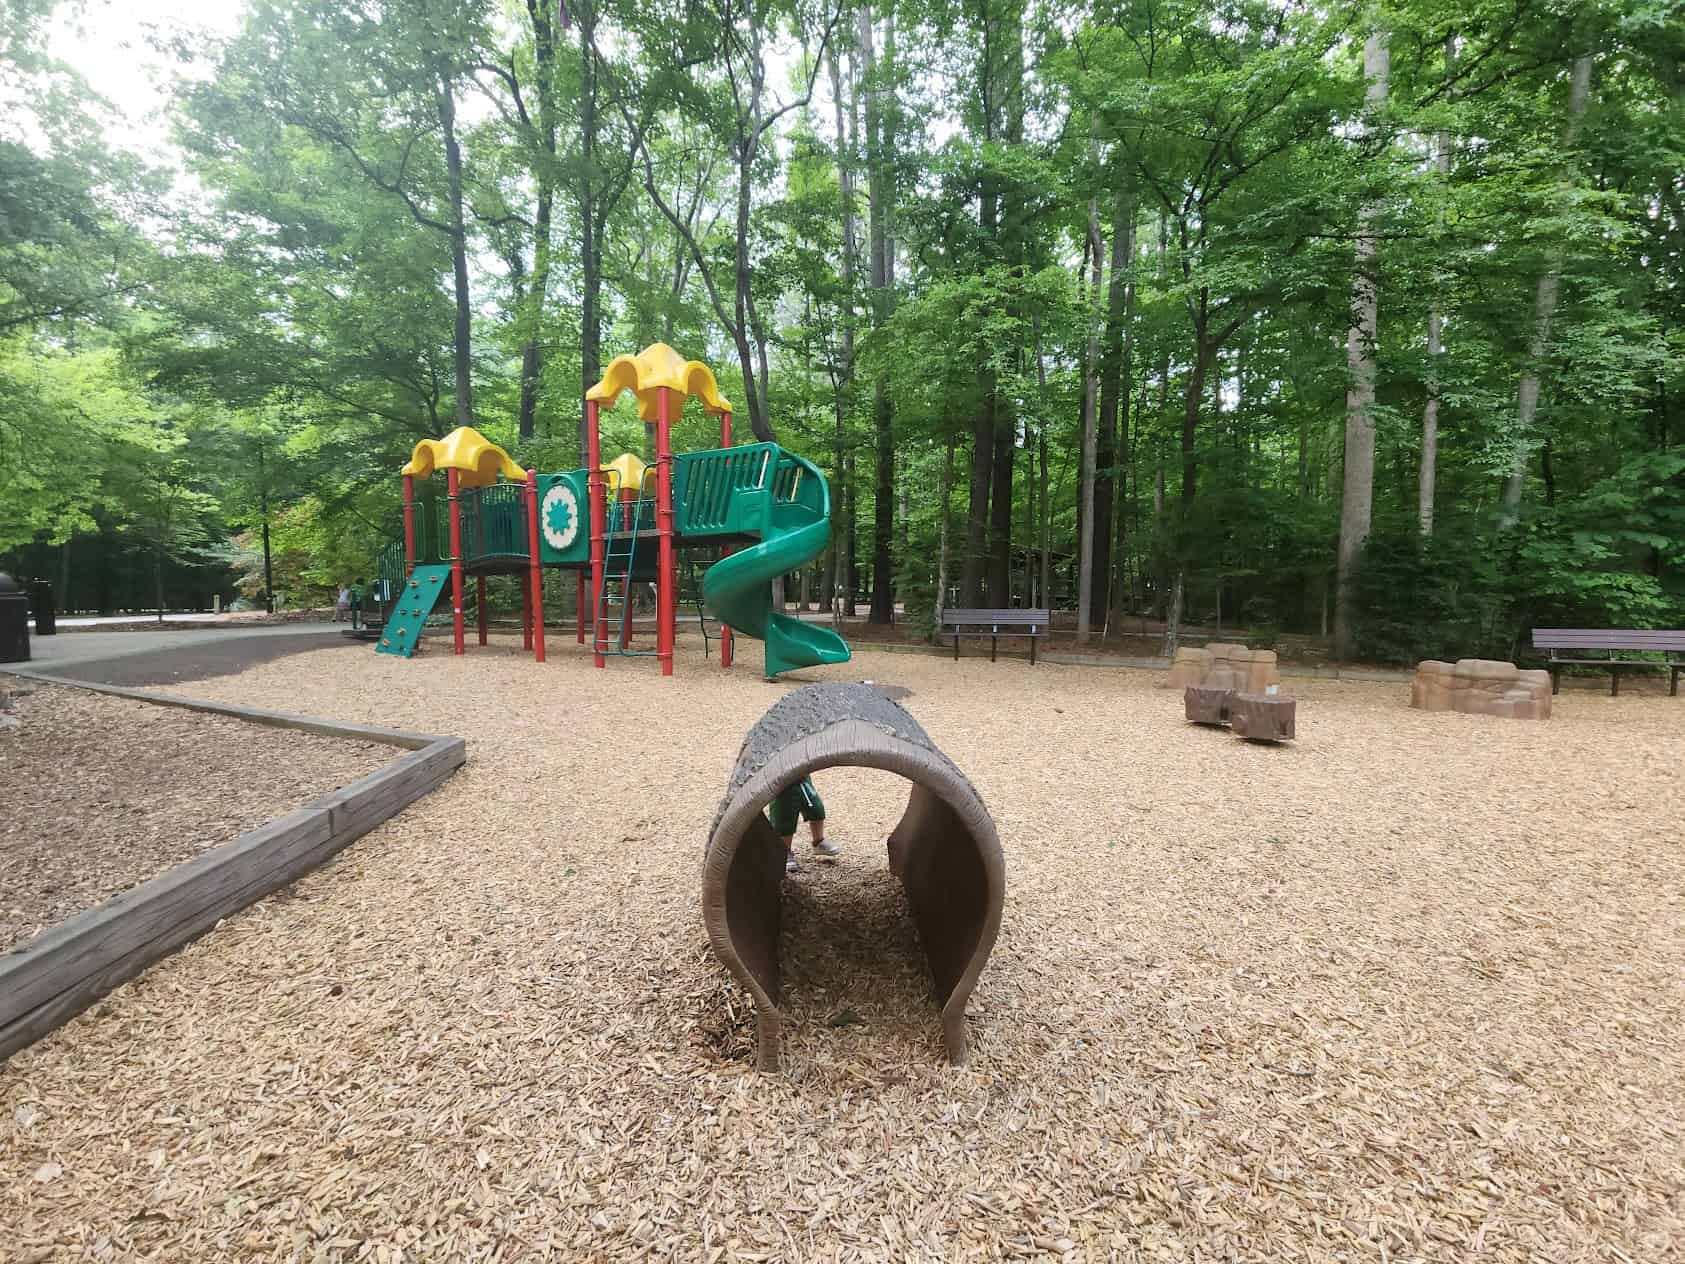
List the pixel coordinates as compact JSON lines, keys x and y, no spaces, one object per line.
{"x":1608,"y":639}
{"x":1040,"y":618}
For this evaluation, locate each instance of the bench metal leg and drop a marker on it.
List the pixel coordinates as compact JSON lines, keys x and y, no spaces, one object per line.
{"x":1032,"y":651}
{"x":1614,"y":682}
{"x":993,"y":641}
{"x":1673,"y":686}
{"x":956,"y":647}
{"x":1555,"y":680}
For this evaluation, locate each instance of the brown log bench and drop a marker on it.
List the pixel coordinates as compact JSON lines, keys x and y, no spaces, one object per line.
{"x":995,"y":624}
{"x":1669,"y":644}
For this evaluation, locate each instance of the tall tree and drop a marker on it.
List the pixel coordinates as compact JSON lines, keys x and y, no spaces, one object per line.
{"x":731,"y":36}
{"x":880,"y":145}
{"x":1357,"y":498}
{"x":1544,"y":304}
{"x":1111,"y":451}
{"x":1427,"y":468}
{"x":1090,"y":415}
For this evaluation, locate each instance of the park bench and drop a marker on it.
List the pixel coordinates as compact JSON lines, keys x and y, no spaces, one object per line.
{"x":1670,"y":644}
{"x":995,"y":624}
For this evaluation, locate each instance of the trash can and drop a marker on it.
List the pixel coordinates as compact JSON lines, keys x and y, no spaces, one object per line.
{"x":46,"y":617}
{"x":14,"y":622}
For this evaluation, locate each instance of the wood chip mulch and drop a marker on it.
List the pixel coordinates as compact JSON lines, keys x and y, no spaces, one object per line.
{"x":1409,"y":988}
{"x":101,"y":793}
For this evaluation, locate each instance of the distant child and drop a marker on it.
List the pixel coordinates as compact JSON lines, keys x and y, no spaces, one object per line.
{"x":356,"y":595}
{"x":803,"y":801}
{"x":343,"y":604}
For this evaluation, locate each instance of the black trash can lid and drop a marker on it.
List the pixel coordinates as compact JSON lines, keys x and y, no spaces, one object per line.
{"x":8,"y":584}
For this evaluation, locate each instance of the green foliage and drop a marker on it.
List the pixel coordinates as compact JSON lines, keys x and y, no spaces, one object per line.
{"x":173,"y":382}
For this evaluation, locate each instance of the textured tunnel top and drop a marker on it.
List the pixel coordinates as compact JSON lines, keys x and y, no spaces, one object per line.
{"x":812,"y":709}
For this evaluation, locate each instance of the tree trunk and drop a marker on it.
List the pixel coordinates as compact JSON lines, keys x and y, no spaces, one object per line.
{"x":1173,"y":621}
{"x":1112,"y":441}
{"x":263,"y":504}
{"x":941,"y":601}
{"x":977,"y":509}
{"x":1090,"y":417}
{"x":1359,"y":486}
{"x":1000,"y":513}
{"x":851,"y":556}
{"x":1544,"y":308}
{"x":1193,"y":397}
{"x":1427,"y":473}
{"x":459,"y":252}
{"x":1114,"y":396}
{"x":1045,"y":588}
{"x":1013,"y":230}
{"x":62,"y":595}
{"x":879,"y":192}
{"x":591,"y":235}
{"x":537,"y":296}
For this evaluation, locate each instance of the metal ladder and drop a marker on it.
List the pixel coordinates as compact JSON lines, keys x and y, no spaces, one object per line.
{"x":692,"y":592}
{"x":617,"y":568}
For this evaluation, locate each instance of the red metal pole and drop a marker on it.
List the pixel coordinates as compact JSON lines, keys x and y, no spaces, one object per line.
{"x":451,"y":485}
{"x":666,"y":575}
{"x":535,"y":573}
{"x":599,"y":514}
{"x":725,"y":630}
{"x":579,"y":602}
{"x":409,"y":524}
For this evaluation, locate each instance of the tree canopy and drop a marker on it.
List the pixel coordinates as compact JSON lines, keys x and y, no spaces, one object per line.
{"x":1345,"y":318}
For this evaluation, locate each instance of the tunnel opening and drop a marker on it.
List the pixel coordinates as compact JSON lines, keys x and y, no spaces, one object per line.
{"x":943,"y":849}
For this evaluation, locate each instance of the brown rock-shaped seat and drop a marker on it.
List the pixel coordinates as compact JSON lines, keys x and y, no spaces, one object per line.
{"x":1481,"y":686}
{"x":1224,"y":666}
{"x":945,"y":849}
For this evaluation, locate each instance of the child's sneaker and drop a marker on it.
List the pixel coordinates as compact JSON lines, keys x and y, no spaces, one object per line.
{"x":825,"y":849}
{"x":791,"y":864}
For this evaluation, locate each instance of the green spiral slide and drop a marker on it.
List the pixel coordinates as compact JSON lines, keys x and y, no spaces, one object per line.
{"x":793,"y":530}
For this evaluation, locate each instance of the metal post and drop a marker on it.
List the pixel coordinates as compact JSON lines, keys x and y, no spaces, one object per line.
{"x":666,"y":576}
{"x":452,"y":485}
{"x":628,"y":512}
{"x":526,"y":612}
{"x":726,"y":646}
{"x":535,"y":571}
{"x":409,"y":525}
{"x":595,"y":494}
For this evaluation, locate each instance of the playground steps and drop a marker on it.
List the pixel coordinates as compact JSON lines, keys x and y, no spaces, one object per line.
{"x":408,"y":619}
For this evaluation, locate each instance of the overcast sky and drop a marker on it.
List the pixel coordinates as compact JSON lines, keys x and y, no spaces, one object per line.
{"x":107,"y":42}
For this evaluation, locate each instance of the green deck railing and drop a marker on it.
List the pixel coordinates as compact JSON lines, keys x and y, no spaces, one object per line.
{"x":494,"y":524}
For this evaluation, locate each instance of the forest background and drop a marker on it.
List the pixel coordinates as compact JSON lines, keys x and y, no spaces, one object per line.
{"x":1362,"y":322}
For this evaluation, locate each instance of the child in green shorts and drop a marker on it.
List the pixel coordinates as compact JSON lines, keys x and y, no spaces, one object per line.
{"x":800,"y":801}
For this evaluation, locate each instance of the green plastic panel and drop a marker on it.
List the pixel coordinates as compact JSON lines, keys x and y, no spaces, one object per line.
{"x":415,"y":602}
{"x":564,"y":519}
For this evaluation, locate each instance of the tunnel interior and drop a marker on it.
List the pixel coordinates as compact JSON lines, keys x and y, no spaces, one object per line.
{"x":944,"y":849}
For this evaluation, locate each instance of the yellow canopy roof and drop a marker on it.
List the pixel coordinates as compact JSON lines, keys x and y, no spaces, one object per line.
{"x":657,"y":366}
{"x":465,"y":449}
{"x":625,"y":471}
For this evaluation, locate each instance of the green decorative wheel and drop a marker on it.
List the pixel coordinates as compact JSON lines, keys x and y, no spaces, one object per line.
{"x":560,"y":517}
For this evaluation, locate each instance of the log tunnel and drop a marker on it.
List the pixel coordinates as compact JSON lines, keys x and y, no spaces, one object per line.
{"x":945,"y":849}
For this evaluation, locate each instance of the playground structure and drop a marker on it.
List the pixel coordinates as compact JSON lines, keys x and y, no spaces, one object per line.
{"x":945,"y":850}
{"x":757,"y":511}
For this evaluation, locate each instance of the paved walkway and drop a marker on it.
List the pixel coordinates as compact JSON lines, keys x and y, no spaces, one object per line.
{"x":173,"y":654}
